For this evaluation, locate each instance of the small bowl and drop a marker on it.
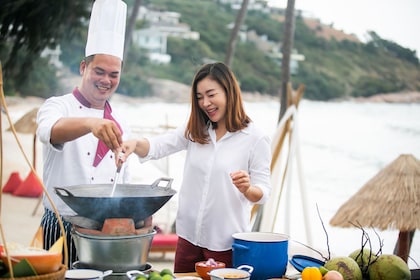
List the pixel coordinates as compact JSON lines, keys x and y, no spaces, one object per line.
{"x":242,"y":272}
{"x":42,"y":262}
{"x":203,"y":268}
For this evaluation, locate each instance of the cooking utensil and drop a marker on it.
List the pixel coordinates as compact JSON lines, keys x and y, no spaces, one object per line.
{"x":119,"y":253}
{"x":114,"y":186}
{"x":117,"y":174}
{"x":137,"y":202}
{"x":267,"y":252}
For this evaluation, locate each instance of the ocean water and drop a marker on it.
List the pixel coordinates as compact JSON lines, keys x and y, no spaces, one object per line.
{"x":342,"y":146}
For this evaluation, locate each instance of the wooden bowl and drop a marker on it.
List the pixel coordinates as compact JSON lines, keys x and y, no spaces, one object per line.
{"x":203,"y":268}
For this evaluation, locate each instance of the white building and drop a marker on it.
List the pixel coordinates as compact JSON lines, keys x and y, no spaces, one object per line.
{"x":161,"y":25}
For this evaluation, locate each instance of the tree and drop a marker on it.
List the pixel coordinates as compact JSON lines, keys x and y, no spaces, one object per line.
{"x":131,"y":24}
{"x":287,"y":46}
{"x":27,"y":27}
{"x":235,"y":31}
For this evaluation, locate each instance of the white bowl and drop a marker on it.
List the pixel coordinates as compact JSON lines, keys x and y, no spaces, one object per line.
{"x":87,"y":274}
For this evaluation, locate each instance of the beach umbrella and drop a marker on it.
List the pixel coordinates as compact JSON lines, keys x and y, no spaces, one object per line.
{"x":390,"y":200}
{"x":27,"y":125}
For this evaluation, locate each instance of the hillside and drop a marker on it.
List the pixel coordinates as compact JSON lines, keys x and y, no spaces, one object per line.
{"x":336,"y":65}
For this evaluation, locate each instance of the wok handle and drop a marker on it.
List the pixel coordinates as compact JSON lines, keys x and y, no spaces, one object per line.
{"x":59,"y":191}
{"x":168,"y":185}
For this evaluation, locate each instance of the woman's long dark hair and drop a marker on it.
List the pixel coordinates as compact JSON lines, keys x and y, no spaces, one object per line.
{"x":236,"y":118}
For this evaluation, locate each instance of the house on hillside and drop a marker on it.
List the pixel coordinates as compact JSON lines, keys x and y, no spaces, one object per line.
{"x":161,"y":25}
{"x":273,"y":49}
{"x":253,"y":5}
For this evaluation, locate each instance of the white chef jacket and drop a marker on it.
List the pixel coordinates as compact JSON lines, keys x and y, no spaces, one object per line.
{"x":72,"y":163}
{"x":211,"y":208}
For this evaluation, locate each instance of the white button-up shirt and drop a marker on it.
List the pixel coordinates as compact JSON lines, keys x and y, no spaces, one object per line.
{"x":72,"y":163}
{"x":211,"y":208}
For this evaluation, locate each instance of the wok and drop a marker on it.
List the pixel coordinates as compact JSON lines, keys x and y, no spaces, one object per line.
{"x":129,"y":200}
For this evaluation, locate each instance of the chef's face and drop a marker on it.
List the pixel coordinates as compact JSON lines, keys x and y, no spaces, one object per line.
{"x":100,"y":78}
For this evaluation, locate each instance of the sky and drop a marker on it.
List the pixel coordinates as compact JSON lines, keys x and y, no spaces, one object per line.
{"x":393,"y":20}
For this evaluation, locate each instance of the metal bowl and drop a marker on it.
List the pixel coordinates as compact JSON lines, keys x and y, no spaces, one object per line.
{"x":120,"y":253}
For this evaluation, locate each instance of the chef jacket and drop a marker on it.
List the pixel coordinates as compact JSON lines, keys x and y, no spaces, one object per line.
{"x":211,"y":208}
{"x":71,"y":163}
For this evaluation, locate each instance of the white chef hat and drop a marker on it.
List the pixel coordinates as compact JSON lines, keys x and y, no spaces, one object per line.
{"x":107,"y":28}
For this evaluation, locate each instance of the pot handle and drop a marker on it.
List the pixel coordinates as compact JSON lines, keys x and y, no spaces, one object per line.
{"x":107,"y":273}
{"x":132,"y":274}
{"x":157,"y":182}
{"x":59,"y":191}
{"x":240,"y":247}
{"x":245,"y":267}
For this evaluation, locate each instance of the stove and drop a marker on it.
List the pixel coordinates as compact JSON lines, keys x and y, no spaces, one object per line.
{"x":119,"y":244}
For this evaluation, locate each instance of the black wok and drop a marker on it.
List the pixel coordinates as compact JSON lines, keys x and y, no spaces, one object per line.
{"x":129,"y":200}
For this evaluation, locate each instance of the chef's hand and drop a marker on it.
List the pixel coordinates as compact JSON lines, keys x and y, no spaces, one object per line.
{"x":107,"y":131}
{"x":242,"y":181}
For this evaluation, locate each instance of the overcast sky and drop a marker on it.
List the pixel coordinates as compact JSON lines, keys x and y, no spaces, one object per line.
{"x":394,"y":20}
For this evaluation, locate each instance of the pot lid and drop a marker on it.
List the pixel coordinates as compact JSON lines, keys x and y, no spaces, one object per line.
{"x":300,"y":262}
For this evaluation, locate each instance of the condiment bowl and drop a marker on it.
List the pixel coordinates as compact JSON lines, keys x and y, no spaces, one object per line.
{"x":203,"y":268}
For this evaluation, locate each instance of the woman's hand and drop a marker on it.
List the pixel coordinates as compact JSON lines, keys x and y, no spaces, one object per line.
{"x":138,"y":146}
{"x":127,"y":148}
{"x":242,"y":181}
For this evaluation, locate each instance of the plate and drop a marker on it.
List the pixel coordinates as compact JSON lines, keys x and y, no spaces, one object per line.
{"x":300,"y":262}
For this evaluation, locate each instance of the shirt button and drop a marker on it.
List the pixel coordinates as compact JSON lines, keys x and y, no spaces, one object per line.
{"x":88,"y":153}
{"x":93,"y":178}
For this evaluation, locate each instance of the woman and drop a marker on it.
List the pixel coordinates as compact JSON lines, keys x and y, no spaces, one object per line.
{"x":227,"y":168}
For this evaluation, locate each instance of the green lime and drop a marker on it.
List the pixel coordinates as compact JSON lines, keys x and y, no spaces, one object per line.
{"x":155,"y":275}
{"x":141,"y":277}
{"x":167,"y":277}
{"x":166,"y":271}
{"x":323,"y":270}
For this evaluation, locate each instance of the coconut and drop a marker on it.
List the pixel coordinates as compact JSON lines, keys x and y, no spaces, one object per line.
{"x":363,"y":257}
{"x":347,"y":266}
{"x":389,"y":267}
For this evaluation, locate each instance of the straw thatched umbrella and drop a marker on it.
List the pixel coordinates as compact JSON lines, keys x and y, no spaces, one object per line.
{"x":27,"y":124}
{"x":390,"y":200}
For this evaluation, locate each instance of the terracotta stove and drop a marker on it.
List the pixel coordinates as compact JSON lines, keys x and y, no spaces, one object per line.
{"x":120,"y":245}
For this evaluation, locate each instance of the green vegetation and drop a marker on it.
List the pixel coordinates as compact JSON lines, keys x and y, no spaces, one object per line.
{"x":331,"y":69}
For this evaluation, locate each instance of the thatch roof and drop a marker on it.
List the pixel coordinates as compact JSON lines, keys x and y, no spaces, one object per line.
{"x":390,"y":200}
{"x":27,"y":123}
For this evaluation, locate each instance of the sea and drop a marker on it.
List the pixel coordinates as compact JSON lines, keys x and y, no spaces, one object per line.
{"x":341,"y":146}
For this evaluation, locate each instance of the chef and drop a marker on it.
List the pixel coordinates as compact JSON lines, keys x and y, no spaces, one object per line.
{"x":80,"y":130}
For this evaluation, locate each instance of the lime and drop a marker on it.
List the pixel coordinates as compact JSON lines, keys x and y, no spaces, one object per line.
{"x":153,"y":273}
{"x":167,"y":277}
{"x":166,"y":271}
{"x":141,"y":277}
{"x":155,"y":277}
{"x":323,"y":270}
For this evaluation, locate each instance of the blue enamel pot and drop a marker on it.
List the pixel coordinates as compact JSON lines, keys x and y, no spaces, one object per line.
{"x":266,"y":252}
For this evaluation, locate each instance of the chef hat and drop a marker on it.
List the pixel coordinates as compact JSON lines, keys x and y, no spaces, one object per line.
{"x":107,"y":28}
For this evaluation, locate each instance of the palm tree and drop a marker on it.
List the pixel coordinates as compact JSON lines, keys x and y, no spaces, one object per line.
{"x":289,"y":29}
{"x":131,"y":25}
{"x":234,"y":34}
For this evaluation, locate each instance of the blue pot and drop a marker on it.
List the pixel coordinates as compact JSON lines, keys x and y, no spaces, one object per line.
{"x":266,"y":252}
